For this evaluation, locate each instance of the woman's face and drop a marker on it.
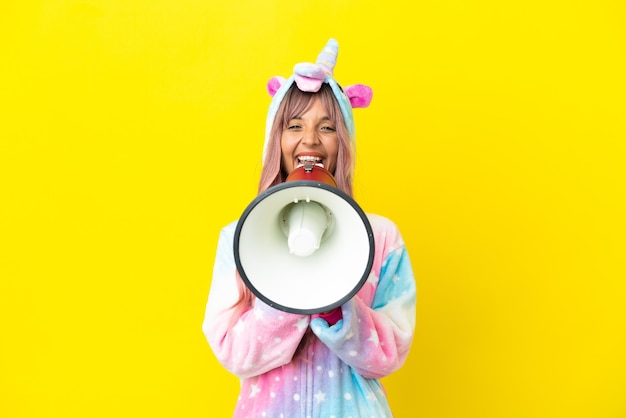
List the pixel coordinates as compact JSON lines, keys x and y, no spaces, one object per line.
{"x":311,"y":136}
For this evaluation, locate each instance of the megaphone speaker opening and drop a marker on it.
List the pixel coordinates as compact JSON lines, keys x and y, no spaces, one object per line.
{"x":305,"y":223}
{"x":321,"y":281}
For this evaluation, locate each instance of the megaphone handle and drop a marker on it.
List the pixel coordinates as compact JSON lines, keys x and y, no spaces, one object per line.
{"x":332,"y":317}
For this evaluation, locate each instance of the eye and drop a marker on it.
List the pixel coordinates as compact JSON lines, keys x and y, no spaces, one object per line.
{"x":293,"y":126}
{"x":328,"y":128}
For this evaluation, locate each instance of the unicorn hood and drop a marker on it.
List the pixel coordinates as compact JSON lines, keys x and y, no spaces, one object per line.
{"x":309,"y":77}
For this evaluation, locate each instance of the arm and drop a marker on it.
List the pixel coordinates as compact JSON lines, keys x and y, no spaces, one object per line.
{"x":255,"y":341}
{"x":375,"y":340}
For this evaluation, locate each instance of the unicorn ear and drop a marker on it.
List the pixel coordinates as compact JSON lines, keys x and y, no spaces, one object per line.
{"x":359,"y":95}
{"x":274,"y":84}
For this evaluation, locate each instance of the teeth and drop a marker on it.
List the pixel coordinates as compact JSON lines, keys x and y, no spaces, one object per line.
{"x":309,"y":158}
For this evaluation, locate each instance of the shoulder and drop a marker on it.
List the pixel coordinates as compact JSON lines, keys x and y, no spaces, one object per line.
{"x":380,"y":222}
{"x":229,"y":229}
{"x":385,"y":231}
{"x":227,"y":233}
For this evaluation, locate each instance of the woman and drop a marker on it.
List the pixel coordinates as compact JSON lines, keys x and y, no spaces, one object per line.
{"x":323,"y":365}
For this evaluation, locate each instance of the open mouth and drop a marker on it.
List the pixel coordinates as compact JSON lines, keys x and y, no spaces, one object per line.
{"x":309,"y":159}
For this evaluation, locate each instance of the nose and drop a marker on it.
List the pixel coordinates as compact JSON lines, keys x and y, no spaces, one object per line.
{"x":310,"y":137}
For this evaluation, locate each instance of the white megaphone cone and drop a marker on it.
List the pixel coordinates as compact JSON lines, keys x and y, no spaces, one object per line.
{"x":304,"y":246}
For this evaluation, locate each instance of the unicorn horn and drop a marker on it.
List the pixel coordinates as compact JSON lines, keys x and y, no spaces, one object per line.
{"x":328,"y":57}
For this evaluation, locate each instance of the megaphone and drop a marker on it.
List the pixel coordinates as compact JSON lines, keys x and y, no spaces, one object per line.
{"x":304,"y":246}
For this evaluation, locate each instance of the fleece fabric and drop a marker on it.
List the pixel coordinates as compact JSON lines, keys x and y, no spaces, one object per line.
{"x":293,"y":365}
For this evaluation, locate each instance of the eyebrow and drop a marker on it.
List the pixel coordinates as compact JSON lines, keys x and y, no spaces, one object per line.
{"x":300,"y":118}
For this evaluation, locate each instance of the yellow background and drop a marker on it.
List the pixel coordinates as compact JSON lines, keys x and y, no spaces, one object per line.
{"x":131,"y":131}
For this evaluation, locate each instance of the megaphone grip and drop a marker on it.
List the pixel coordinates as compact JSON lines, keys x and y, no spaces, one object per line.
{"x":332,"y":317}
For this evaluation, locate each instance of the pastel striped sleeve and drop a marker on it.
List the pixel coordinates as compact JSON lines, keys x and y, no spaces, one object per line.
{"x":258,"y":340}
{"x":374,"y":339}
